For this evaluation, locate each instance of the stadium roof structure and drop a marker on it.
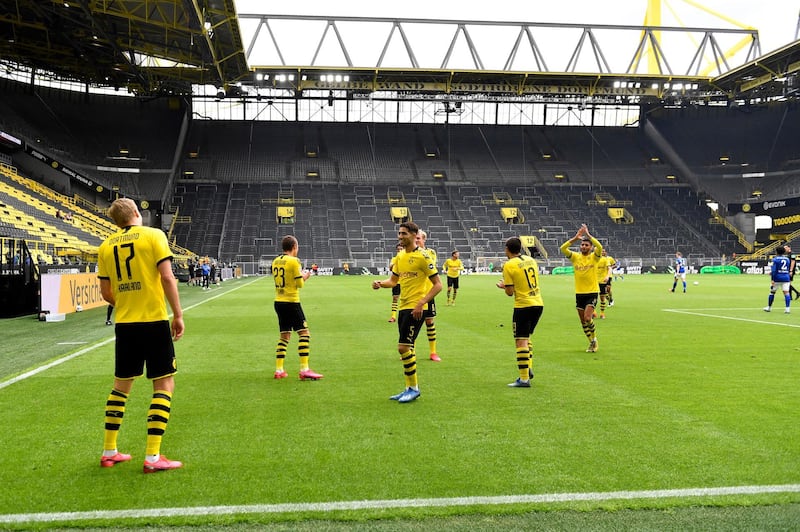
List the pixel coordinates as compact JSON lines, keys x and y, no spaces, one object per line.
{"x":145,"y":45}
{"x":163,"y":47}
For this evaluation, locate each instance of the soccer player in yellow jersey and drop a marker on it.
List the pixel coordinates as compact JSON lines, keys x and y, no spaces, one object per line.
{"x":134,"y":266}
{"x":604,"y":274}
{"x":453,"y":267}
{"x":521,"y":280}
{"x":412,"y":270}
{"x":430,"y":311}
{"x":584,"y":264}
{"x":289,"y":277}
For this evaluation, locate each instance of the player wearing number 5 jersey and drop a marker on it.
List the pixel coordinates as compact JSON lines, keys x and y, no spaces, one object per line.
{"x":134,"y":266}
{"x":521,"y":280}
{"x":289,"y":278}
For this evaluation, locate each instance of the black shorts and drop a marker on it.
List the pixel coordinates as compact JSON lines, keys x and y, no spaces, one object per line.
{"x":430,"y":312}
{"x":396,"y":290}
{"x":144,"y":344}
{"x":585,"y":300}
{"x":408,"y":327}
{"x":524,"y":321}
{"x":290,"y":316}
{"x":604,"y":287}
{"x":452,"y":282}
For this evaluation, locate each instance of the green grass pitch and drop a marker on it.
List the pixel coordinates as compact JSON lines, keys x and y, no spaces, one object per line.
{"x":687,"y":414}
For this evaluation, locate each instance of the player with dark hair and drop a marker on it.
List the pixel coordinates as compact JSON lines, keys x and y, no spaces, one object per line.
{"x":521,"y":280}
{"x":134,"y":266}
{"x":453,"y":267}
{"x":584,"y":264}
{"x":289,"y":277}
{"x":780,"y":278}
{"x":411,"y":270}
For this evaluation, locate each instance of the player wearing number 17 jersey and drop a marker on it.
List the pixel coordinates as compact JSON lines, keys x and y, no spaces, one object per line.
{"x":134,"y":267}
{"x":521,"y":280}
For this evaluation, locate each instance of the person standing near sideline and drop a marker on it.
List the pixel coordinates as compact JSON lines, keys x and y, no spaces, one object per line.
{"x":289,"y":277}
{"x":411,"y":270}
{"x":430,"y":311}
{"x":584,"y":264}
{"x":134,"y":266}
{"x":779,"y":278}
{"x":453,"y":267}
{"x":521,"y":280}
{"x":680,"y":271}
{"x":792,"y":268}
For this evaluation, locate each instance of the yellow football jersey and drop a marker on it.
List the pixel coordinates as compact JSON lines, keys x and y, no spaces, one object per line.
{"x":523,"y":273}
{"x":129,"y":259}
{"x":288,"y":276}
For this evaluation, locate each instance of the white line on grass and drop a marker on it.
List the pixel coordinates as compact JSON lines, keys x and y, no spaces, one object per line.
{"x":395,"y":503}
{"x":92,"y":347}
{"x":678,"y":311}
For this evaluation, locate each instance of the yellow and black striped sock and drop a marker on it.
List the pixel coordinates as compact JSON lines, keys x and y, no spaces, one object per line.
{"x":304,"y":350}
{"x":602,"y":305}
{"x":280,"y":354}
{"x":395,"y":303}
{"x":115,"y":410}
{"x":588,"y":329}
{"x":432,"y":337}
{"x":523,"y":362}
{"x":530,"y":361}
{"x":409,"y":359}
{"x":157,"y":419}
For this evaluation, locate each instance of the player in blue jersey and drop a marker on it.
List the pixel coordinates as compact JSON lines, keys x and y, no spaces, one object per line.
{"x":680,"y":271}
{"x":780,"y":276}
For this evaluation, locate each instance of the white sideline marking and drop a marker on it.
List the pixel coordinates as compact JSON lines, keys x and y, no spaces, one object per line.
{"x":92,"y":347}
{"x":395,"y":503}
{"x":678,"y":311}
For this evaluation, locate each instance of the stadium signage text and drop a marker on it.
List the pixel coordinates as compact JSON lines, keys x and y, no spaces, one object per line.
{"x":64,"y":293}
{"x":508,"y":88}
{"x":773,"y":204}
{"x":83,"y":180}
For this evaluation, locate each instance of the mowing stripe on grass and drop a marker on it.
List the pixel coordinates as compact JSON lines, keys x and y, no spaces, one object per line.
{"x":395,"y":503}
{"x":91,"y":348}
{"x":680,"y":311}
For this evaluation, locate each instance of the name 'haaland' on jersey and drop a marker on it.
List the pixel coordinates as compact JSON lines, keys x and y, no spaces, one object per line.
{"x":129,"y":287}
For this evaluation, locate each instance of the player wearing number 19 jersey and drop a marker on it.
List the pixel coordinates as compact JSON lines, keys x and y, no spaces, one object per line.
{"x":521,"y":280}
